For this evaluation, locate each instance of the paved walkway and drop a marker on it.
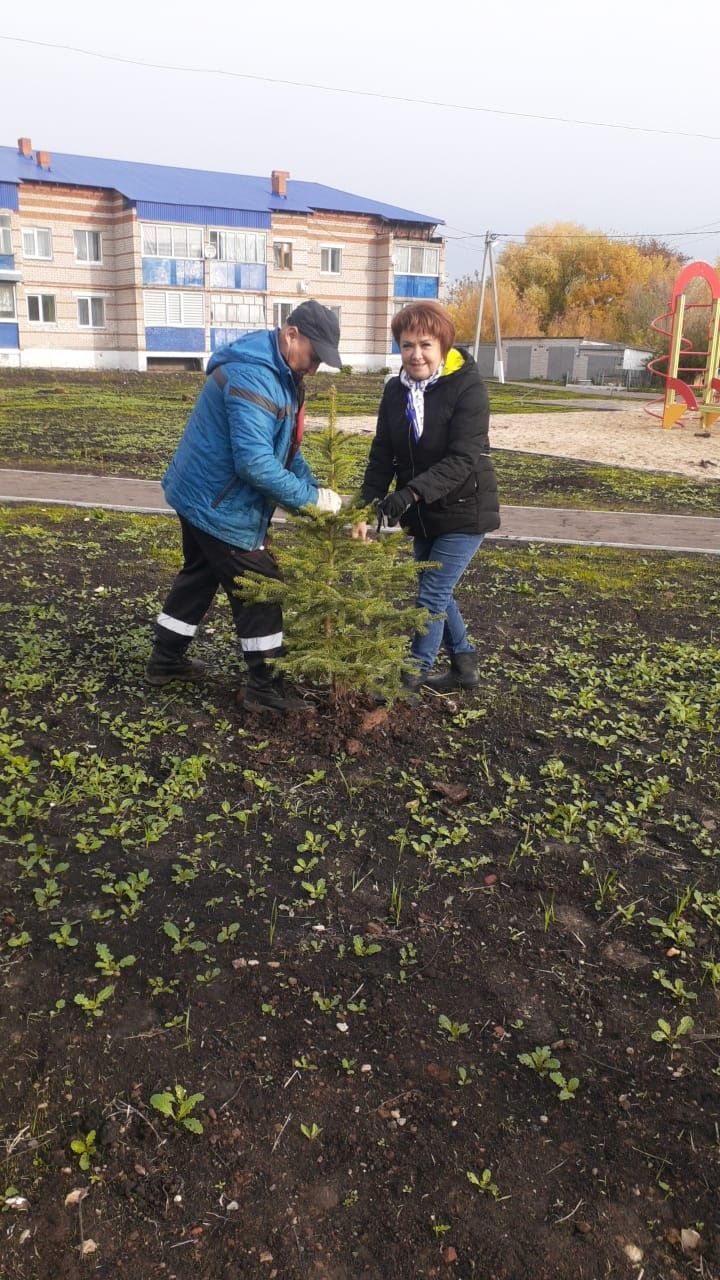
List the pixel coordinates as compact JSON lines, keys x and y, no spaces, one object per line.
{"x":523,"y":524}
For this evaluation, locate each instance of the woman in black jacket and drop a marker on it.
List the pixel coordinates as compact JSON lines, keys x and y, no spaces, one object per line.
{"x":432,"y":440}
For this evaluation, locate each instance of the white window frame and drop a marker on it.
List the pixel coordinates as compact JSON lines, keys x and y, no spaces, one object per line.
{"x":90,"y":298}
{"x":226,"y":311}
{"x":331,"y":249}
{"x":174,"y":230}
{"x":6,"y":246}
{"x":86,"y":234}
{"x":279,"y":306}
{"x":9,"y":316}
{"x":183,"y":299}
{"x":41,"y":320}
{"x":34,"y":253}
{"x":286,"y":250}
{"x":226,"y":241}
{"x":406,"y":247}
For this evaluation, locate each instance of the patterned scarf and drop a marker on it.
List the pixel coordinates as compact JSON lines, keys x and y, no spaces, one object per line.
{"x":416,"y":398}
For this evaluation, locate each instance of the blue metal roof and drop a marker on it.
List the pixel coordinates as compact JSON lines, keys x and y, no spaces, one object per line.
{"x":167,"y":185}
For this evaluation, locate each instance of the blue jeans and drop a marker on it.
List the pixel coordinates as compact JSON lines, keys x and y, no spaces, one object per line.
{"x":453,"y":551}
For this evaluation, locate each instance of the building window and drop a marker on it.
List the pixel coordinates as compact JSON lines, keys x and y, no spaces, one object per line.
{"x":41,"y":308}
{"x":88,"y":246}
{"x":330,"y":260}
{"x":416,"y":260}
{"x":166,"y":308}
{"x":91,"y":312}
{"x":238,"y":246}
{"x":281,"y":312}
{"x":37,"y":243}
{"x":236,"y":310}
{"x":282,"y":255}
{"x":7,"y":302}
{"x":5,"y":234}
{"x":161,"y":241}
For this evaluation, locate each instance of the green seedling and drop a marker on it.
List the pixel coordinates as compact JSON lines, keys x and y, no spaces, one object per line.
{"x":85,"y":1149}
{"x":312,"y":843}
{"x":160,"y":987}
{"x":325,"y":1004}
{"x":63,"y":936}
{"x":22,"y":939}
{"x":311,"y":1132}
{"x":303,"y":1063}
{"x":439,"y":1229}
{"x":348,"y":1065}
{"x":453,"y":1030}
{"x":107,"y":964}
{"x":676,"y":987}
{"x":463,"y":1077}
{"x":183,"y":941}
{"x":548,"y":911}
{"x":363,"y":948}
{"x":540,"y":1060}
{"x":316,"y":891}
{"x":666,"y":1035}
{"x":228,"y":932}
{"x":207,"y":976}
{"x":484,"y":1184}
{"x":94,"y":1006}
{"x":179,"y":1106}
{"x":711,"y":973}
{"x":566,"y":1088}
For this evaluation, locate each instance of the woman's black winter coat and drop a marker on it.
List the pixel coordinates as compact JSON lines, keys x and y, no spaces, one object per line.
{"x":449,"y":466}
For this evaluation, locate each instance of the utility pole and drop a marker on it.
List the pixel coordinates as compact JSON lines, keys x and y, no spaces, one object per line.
{"x":488,"y":260}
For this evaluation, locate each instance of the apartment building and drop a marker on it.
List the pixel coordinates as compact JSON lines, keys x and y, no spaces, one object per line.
{"x":111,"y":264}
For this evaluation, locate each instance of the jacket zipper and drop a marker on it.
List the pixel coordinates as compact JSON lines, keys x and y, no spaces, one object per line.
{"x":224,"y":492}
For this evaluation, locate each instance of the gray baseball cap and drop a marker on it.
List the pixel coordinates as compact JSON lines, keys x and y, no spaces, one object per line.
{"x":322,"y":327}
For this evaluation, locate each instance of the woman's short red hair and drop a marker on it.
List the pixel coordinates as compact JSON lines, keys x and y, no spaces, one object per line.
{"x":425,"y":317}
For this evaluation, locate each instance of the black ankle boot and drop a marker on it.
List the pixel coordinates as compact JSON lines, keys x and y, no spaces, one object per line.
{"x":164,"y":667}
{"x":266,"y":692}
{"x":463,"y":674}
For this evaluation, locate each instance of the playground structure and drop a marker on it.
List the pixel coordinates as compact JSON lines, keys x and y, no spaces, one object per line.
{"x":703,"y":397}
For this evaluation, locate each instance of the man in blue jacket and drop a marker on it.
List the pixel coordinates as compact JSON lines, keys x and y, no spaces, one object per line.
{"x":238,"y":459}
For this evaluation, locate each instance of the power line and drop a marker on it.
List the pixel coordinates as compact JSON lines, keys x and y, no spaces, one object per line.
{"x":525,"y":236}
{"x":362,"y":93}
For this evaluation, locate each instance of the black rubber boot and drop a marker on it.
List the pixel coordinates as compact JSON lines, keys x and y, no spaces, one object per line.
{"x":266,"y":692}
{"x":166,"y":665}
{"x":463,"y":674}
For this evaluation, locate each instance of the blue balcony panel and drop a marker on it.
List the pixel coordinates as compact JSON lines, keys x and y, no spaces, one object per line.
{"x":185,"y":273}
{"x":411,"y":287}
{"x":171,"y":339}
{"x":9,"y":338}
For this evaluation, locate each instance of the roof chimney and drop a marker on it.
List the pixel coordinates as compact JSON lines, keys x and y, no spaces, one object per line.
{"x":278,"y":179}
{"x":43,"y":159}
{"x":25,"y":146}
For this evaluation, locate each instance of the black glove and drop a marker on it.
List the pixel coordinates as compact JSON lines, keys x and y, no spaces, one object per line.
{"x":393,"y":506}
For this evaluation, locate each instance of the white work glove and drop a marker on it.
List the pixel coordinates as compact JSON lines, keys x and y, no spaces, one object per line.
{"x":328,"y":502}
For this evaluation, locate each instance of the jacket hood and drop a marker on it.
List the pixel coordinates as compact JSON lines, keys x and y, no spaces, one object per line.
{"x":253,"y":348}
{"x":457,"y":361}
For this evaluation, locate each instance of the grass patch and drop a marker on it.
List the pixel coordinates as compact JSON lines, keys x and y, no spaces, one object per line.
{"x":129,"y":424}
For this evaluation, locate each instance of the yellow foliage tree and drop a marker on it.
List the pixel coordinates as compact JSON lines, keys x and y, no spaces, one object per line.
{"x":519,"y":317}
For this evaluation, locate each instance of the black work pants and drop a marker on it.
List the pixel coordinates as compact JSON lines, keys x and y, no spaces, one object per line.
{"x":209,"y":564}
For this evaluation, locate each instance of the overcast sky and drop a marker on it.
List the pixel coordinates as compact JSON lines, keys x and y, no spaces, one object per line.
{"x":619,"y":62}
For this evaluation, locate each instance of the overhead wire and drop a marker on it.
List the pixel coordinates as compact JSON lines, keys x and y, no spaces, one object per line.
{"x":361,"y":93}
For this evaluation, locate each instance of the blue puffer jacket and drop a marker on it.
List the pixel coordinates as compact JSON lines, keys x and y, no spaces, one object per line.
{"x":229,"y":470}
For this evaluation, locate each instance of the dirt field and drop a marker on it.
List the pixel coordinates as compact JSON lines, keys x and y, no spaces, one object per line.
{"x":627,"y":438}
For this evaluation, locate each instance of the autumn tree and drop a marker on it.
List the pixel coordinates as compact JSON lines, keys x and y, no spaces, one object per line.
{"x":518,"y":316}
